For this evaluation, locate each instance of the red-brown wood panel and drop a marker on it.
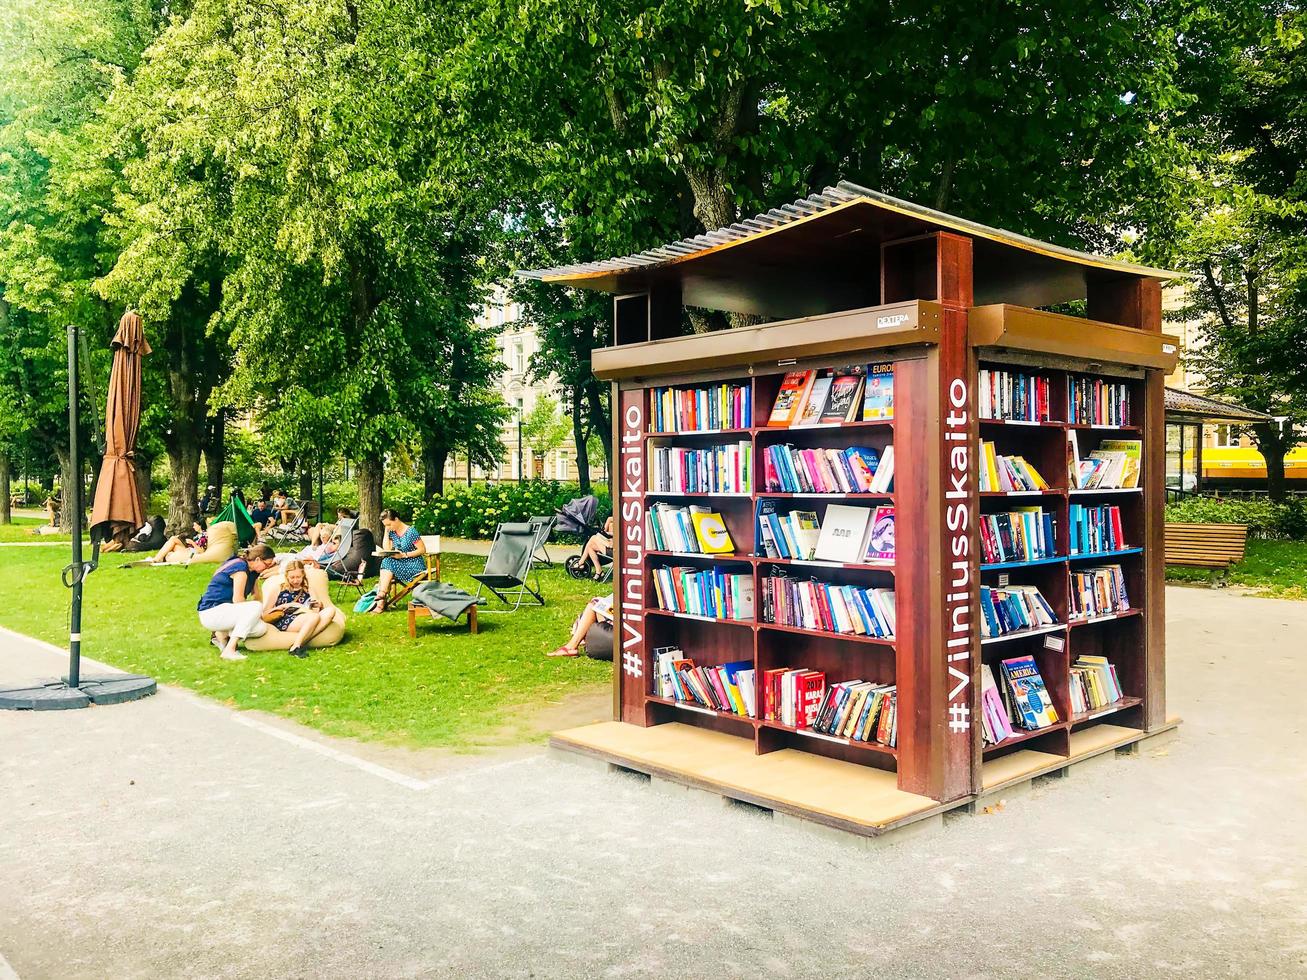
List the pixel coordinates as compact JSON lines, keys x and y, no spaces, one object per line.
{"x":631,"y":583}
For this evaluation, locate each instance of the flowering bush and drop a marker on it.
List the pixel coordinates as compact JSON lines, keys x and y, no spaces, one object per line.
{"x":474,"y":511}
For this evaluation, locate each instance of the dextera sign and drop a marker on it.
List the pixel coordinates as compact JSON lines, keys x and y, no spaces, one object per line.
{"x":632,"y":524}
{"x":957,"y":583}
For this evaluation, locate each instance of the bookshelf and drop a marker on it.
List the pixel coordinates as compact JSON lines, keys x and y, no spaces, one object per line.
{"x":919,"y":314}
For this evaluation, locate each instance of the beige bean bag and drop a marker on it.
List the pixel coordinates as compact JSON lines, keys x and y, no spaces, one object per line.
{"x":274,"y":639}
{"x":222,"y":545}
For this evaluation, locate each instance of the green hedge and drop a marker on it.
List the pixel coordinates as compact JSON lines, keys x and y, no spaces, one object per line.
{"x":473,"y":512}
{"x":1286,"y":521}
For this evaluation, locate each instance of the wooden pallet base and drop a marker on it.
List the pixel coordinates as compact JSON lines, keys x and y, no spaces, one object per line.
{"x":818,"y":793}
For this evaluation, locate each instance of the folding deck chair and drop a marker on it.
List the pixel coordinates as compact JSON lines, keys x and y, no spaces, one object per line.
{"x":430,"y":574}
{"x":509,"y":566}
{"x":544,"y":526}
{"x":297,"y":529}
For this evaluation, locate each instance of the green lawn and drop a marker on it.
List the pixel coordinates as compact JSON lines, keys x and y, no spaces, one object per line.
{"x":1277,"y":569}
{"x":23,"y":528}
{"x":446,"y":688}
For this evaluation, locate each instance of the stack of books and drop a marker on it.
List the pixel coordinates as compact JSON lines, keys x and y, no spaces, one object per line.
{"x":1095,"y":529}
{"x":1028,"y":700}
{"x":834,"y":396}
{"x":1113,"y":465}
{"x":996,"y":723}
{"x":1012,"y":395}
{"x":1021,"y":534}
{"x":1013,"y":608}
{"x":847,"y":535}
{"x":696,"y":530}
{"x":727,"y":687}
{"x":792,"y":695}
{"x":859,"y":711}
{"x":1093,"y":401}
{"x":827,"y":608}
{"x":715,"y":469}
{"x":1094,"y":684}
{"x":701,"y":409}
{"x":712,"y":592}
{"x":1097,"y":591}
{"x":857,"y":469}
{"x":1010,"y":473}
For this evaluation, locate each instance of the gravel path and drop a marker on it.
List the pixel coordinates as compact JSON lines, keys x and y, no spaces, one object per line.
{"x":176,"y":838}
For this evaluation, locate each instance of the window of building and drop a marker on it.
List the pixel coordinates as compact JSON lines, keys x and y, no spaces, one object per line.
{"x":560,"y":465}
{"x":1228,"y":437}
{"x":519,"y":358}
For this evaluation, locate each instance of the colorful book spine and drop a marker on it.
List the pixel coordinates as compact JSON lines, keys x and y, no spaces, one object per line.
{"x":1012,"y":396}
{"x":1093,"y":401}
{"x":1097,"y":591}
{"x":704,"y":408}
{"x":859,"y":711}
{"x":828,"y":608}
{"x":714,"y":593}
{"x":1025,"y":534}
{"x":858,"y":469}
{"x":1095,"y":530}
{"x":715,"y":469}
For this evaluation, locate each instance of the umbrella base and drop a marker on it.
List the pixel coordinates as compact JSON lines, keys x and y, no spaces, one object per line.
{"x":58,"y":696}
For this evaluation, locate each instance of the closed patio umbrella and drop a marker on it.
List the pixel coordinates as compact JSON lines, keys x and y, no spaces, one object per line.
{"x":118,"y":506}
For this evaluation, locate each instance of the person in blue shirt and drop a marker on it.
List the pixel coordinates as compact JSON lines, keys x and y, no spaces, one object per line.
{"x":404,"y":561}
{"x":226,"y":608}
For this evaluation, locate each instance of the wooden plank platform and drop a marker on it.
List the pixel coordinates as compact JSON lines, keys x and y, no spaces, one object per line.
{"x":849,"y":797}
{"x":1085,"y":743}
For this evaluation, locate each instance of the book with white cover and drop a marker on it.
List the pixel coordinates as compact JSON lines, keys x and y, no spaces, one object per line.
{"x":843,"y":532}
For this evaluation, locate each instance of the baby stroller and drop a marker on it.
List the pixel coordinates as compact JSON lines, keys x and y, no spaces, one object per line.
{"x":578,"y":517}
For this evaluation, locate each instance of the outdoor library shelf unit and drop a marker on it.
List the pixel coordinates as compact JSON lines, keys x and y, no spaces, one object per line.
{"x":851,"y":276}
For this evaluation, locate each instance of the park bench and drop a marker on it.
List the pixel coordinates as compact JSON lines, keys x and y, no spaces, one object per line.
{"x":1211,"y":546}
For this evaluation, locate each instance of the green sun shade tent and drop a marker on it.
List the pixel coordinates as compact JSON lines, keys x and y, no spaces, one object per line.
{"x":236,"y":513}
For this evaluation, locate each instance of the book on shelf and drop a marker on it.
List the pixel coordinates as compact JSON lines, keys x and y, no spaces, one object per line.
{"x":860,"y":711}
{"x":1094,"y":684}
{"x":996,"y":723}
{"x":1021,"y":534}
{"x":826,"y":607}
{"x":712,"y":592}
{"x":694,"y":529}
{"x":843,"y":534}
{"x":792,"y":534}
{"x":792,"y":695}
{"x":1012,"y":396}
{"x":844,"y":401}
{"x":791,"y":398}
{"x":1011,"y":608}
{"x":1010,"y":473}
{"x":1029,"y":700}
{"x":726,"y":468}
{"x":702,"y":408}
{"x":1099,"y":590}
{"x":724,"y":687}
{"x":858,"y":469}
{"x":1114,"y":465}
{"x":1093,"y":401}
{"x":878,"y":395}
{"x":814,"y":403}
{"x":881,"y":537}
{"x":1095,"y":529}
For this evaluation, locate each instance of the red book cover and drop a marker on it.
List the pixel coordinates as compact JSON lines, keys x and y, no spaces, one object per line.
{"x":810,"y":687}
{"x":823,"y":608}
{"x":789,"y":400}
{"x":1118,"y":534}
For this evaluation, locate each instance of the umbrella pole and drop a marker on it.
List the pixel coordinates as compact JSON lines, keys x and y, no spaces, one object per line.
{"x":74,"y":494}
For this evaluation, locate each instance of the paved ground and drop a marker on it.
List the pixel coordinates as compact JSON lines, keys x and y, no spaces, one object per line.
{"x":175,"y":838}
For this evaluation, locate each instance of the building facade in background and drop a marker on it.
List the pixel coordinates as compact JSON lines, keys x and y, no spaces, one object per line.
{"x":517,"y":341}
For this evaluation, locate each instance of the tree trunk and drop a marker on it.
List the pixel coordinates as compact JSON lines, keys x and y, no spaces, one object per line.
{"x":67,"y":480}
{"x":434,"y":457}
{"x":371,"y":472}
{"x":601,"y":425}
{"x":306,"y":479}
{"x":184,"y":476}
{"x":144,"y":480}
{"x":215,"y":451}
{"x":579,"y":439}
{"x":5,"y":516}
{"x":1273,"y":446}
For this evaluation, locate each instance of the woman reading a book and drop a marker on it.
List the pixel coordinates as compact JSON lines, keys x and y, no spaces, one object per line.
{"x":403,"y":561}
{"x":597,"y":610}
{"x":293,"y":608}
{"x":599,"y":546}
{"x":184,"y":547}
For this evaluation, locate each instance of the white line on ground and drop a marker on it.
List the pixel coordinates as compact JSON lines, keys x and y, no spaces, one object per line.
{"x":345,"y":758}
{"x":6,"y":971}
